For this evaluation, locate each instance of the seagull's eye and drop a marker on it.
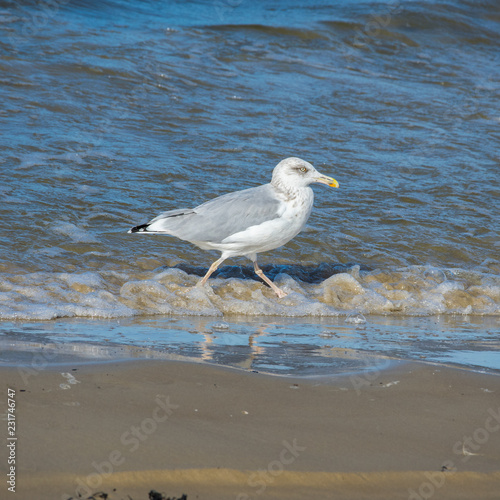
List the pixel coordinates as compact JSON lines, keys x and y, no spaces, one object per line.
{"x":303,"y":169}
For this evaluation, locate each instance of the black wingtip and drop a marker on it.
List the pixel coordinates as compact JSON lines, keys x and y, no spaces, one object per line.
{"x":139,"y":229}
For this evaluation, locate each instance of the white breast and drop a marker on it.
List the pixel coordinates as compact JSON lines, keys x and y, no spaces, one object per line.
{"x":273,"y":233}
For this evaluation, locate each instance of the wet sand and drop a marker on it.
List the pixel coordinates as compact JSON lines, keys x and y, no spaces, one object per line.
{"x":413,"y":431}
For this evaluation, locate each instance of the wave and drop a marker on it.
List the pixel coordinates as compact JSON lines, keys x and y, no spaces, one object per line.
{"x":414,"y":291}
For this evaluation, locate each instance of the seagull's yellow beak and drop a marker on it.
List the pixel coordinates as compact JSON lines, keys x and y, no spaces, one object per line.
{"x":329,"y":181}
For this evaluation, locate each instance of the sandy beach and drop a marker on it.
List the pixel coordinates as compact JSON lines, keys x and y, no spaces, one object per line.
{"x":413,"y":431}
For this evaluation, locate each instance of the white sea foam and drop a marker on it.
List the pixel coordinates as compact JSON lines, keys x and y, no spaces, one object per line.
{"x":110,"y":294}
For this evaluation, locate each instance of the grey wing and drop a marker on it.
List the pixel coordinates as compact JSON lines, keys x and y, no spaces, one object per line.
{"x":170,"y":214}
{"x":221,"y":217}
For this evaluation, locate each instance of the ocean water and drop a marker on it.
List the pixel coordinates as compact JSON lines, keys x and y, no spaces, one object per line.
{"x":114,"y":111}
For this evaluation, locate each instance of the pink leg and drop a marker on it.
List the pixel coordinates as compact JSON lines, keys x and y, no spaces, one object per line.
{"x":213,"y":267}
{"x":260,"y":273}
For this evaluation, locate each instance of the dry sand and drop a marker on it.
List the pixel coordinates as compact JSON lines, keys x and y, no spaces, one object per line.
{"x":413,"y":431}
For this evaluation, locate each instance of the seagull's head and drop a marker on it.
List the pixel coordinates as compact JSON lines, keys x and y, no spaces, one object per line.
{"x":296,"y":173}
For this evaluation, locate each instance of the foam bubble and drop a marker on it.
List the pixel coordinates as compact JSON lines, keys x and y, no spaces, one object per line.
{"x":357,"y":319}
{"x":434,"y":274}
{"x":220,"y":326}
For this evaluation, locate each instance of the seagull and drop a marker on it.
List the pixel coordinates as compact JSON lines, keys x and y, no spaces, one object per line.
{"x":247,"y":222}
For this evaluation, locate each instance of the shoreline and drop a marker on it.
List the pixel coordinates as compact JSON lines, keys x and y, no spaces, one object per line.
{"x":213,"y":432}
{"x":285,"y":347}
{"x":32,"y":358}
